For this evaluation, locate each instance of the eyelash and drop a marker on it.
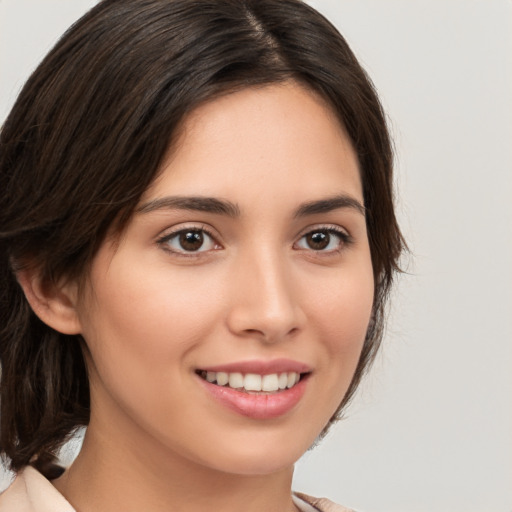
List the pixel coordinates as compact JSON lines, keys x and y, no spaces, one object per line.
{"x":344,"y":240}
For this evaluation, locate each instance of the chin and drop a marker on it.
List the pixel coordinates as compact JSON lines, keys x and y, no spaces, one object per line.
{"x":257,"y":457}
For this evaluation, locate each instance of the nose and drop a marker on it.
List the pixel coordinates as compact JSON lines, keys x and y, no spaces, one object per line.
{"x":264,"y":303}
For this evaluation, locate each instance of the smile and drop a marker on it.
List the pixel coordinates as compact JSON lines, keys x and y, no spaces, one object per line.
{"x":252,"y":382}
{"x":251,"y":390}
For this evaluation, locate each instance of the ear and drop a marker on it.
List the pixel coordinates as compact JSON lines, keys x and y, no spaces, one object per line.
{"x":54,"y":303}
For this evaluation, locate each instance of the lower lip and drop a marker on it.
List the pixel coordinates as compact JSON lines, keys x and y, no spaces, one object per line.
{"x":257,"y":406}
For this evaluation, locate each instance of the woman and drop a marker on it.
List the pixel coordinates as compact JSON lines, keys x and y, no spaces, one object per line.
{"x":197,"y":240}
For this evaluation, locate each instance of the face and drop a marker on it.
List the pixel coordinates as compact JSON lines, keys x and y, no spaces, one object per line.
{"x":225,"y":325}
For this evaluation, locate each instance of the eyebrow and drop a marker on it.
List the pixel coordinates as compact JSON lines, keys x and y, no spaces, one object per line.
{"x":199,"y":204}
{"x":224,"y":207}
{"x":329,"y":204}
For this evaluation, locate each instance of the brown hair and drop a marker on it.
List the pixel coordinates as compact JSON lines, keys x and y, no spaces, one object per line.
{"x":86,"y":137}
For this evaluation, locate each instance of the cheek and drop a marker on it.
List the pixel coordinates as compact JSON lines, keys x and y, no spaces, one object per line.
{"x":339,"y":313}
{"x":344,"y":312}
{"x":342,"y":322}
{"x":145,"y":310}
{"x":140,"y":327}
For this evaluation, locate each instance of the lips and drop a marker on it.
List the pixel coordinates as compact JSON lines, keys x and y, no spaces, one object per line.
{"x":257,"y":389}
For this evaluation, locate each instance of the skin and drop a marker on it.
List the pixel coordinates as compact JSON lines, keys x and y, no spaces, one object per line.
{"x":152,"y":314}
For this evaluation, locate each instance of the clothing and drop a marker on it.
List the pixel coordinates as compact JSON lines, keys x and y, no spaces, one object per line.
{"x":307,"y":503}
{"x":32,"y":492}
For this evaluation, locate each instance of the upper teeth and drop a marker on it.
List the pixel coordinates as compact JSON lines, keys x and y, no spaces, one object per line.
{"x":253,"y":381}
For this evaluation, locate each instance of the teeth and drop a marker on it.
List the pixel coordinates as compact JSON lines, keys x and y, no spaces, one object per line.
{"x":222,"y":378}
{"x":270,"y":382}
{"x":293,"y":378}
{"x":283,"y":380}
{"x":253,"y":382}
{"x":236,"y":380}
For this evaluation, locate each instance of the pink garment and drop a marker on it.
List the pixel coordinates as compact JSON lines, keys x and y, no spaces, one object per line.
{"x":32,"y":492}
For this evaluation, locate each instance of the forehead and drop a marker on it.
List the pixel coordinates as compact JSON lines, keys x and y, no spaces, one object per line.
{"x":260,"y":141}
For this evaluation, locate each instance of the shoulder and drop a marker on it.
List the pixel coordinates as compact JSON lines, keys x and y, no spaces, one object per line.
{"x":32,"y":492}
{"x":309,"y":504}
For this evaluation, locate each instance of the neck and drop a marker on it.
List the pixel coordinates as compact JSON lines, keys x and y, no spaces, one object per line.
{"x":109,"y":476}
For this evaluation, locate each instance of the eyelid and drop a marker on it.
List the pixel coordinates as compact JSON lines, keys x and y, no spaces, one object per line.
{"x":324,"y":227}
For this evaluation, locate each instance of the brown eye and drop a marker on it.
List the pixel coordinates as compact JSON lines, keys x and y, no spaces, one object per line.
{"x":191,"y":240}
{"x":188,"y":241}
{"x":324,"y":240}
{"x":318,"y":241}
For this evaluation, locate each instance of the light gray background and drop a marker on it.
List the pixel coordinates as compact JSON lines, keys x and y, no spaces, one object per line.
{"x":432,"y":428}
